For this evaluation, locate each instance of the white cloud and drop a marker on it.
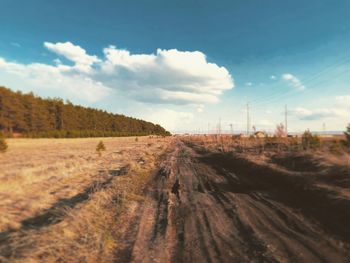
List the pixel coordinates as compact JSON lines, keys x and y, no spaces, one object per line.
{"x":273,"y":77}
{"x":343,"y":100}
{"x":264,"y":123}
{"x":57,"y":61}
{"x":319,"y":114}
{"x":170,"y":119}
{"x":200,"y":108}
{"x":74,"y":53}
{"x":168,"y":76}
{"x":182,"y":97}
{"x":293,"y":81}
{"x":49,"y":79}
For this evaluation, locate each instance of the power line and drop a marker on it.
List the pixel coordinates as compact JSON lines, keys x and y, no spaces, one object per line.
{"x":248,"y":119}
{"x":306,"y":82}
{"x":286,"y":119}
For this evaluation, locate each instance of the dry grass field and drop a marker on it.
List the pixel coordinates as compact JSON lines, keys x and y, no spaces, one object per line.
{"x":60,"y":200}
{"x":175,"y":199}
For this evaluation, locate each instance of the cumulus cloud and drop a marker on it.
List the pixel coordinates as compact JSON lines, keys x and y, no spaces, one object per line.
{"x":49,"y":79}
{"x":339,"y":108}
{"x":167,"y":76}
{"x":169,"y":118}
{"x":74,"y":53}
{"x":319,"y":114}
{"x":343,"y":101}
{"x":293,"y":81}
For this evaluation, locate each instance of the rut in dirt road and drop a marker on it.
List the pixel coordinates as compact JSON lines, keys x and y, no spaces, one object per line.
{"x":195,"y":211}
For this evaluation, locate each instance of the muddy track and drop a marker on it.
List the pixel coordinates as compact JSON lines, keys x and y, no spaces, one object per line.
{"x":199,"y":210}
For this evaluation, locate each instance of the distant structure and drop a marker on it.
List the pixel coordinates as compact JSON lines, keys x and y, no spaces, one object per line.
{"x":260,"y":134}
{"x":286,"y":119}
{"x":248,"y":120}
{"x":231,"y":126}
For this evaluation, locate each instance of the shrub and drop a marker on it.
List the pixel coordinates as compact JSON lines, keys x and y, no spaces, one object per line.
{"x":336,"y":147}
{"x":136,"y":139}
{"x":100,"y":148}
{"x":346,"y":142}
{"x":315,"y":142}
{"x":280,"y":130}
{"x":310,"y":141}
{"x":294,"y":143}
{"x":3,"y":143}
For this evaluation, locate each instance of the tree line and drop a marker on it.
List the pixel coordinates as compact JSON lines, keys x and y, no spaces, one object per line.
{"x":27,"y":115}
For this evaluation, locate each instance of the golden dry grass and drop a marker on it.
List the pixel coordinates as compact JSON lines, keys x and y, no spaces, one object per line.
{"x":37,"y":174}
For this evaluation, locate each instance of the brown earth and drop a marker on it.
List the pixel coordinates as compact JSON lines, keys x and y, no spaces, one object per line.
{"x":213,"y":207}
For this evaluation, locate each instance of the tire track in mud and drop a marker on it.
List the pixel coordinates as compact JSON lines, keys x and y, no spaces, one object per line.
{"x":195,"y":212}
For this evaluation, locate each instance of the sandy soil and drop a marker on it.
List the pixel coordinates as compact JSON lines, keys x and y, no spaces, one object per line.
{"x":212,"y":207}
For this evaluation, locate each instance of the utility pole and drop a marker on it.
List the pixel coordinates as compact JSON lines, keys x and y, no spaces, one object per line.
{"x":286,"y":119}
{"x":248,"y":119}
{"x":231,"y":125}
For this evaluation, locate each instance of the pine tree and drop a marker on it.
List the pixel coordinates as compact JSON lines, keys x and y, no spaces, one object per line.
{"x":347,"y":136}
{"x":29,"y":115}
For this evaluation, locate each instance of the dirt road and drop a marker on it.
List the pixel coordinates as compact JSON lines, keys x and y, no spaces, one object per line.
{"x":203,"y":207}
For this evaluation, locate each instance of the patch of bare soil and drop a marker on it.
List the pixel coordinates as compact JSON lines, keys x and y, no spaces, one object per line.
{"x":213,"y":207}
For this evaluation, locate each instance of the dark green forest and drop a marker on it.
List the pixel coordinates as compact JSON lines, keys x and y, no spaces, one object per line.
{"x":27,"y":115}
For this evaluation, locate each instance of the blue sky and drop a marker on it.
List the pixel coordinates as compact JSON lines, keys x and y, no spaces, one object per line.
{"x":185,"y":64}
